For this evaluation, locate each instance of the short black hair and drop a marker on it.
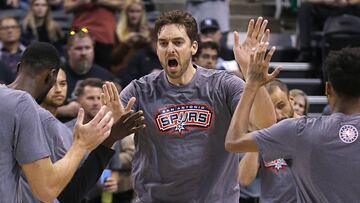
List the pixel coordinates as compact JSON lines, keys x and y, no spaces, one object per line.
{"x":276,"y":83}
{"x":40,"y":56}
{"x":181,"y":18}
{"x":343,"y":71}
{"x":206,"y":45}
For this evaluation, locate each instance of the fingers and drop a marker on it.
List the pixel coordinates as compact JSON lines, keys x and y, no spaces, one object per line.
{"x":80,"y":117}
{"x":274,"y":73}
{"x":99,"y":116}
{"x":133,"y":117}
{"x":262,"y":30}
{"x":102,"y":99}
{"x":266,"y":36}
{"x":110,"y":89}
{"x":130,"y":104}
{"x":250,"y":29}
{"x":105,"y":119}
{"x":115,"y":92}
{"x":106,"y":93}
{"x":137,"y":128}
{"x":236,"y":39}
{"x":257,"y":28}
{"x":107,"y":129}
{"x":269,"y":55}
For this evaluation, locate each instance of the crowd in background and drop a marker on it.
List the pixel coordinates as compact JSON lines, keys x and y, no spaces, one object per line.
{"x":113,"y":40}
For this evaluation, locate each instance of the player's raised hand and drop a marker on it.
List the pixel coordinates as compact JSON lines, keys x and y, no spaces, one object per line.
{"x":93,"y":133}
{"x":256,"y":33}
{"x":257,"y":73}
{"x":126,"y":121}
{"x":110,"y":98}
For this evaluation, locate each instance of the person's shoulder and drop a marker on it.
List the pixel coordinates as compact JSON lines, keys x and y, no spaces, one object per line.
{"x":15,"y":96}
{"x":45,"y":114}
{"x":149,"y":79}
{"x":70,"y":124}
{"x":103,"y":73}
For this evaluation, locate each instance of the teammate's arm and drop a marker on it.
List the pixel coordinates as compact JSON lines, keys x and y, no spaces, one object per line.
{"x":47,"y":180}
{"x":248,"y":168}
{"x":238,"y":138}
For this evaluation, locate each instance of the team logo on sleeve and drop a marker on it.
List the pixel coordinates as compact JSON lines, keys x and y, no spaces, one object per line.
{"x":183,"y":117}
{"x":348,"y":134}
{"x":276,"y":165}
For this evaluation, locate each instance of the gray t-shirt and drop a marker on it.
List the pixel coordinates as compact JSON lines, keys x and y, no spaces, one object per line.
{"x":180,"y":156}
{"x":22,"y":140}
{"x":277,"y":183}
{"x":58,"y":138}
{"x":324,"y":154}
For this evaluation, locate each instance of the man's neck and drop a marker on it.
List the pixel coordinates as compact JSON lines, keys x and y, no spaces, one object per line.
{"x":26,"y":84}
{"x":50,"y":108}
{"x":12,"y":47}
{"x":347,"y":106}
{"x":185,"y":78}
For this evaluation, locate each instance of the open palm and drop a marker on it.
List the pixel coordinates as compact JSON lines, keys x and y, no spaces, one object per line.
{"x":256,"y":34}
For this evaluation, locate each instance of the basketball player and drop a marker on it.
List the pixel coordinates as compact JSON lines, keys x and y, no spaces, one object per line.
{"x":322,"y":151}
{"x":181,"y":155}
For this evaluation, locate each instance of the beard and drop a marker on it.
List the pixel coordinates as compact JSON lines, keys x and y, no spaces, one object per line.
{"x":82,"y":66}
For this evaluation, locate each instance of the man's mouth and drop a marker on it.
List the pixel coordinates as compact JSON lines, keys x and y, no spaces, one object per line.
{"x":172,"y":63}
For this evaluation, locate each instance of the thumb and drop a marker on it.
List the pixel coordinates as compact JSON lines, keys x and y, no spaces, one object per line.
{"x":80,"y":117}
{"x":275,"y":73}
{"x":130,"y":104}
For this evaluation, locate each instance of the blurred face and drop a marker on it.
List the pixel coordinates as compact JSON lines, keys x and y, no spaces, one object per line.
{"x":207,"y":58}
{"x":282,"y":104}
{"x":81,"y":55}
{"x":211,"y":36}
{"x":90,"y":101}
{"x":175,"y":50}
{"x":134,"y":14}
{"x":57,"y":94}
{"x":298,"y":103}
{"x":9,"y":31}
{"x":40,"y":8}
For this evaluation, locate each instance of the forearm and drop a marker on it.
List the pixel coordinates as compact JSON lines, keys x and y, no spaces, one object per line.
{"x":87,"y":175}
{"x":262,"y":113}
{"x":69,"y":110}
{"x":240,"y":121}
{"x":248,"y":168}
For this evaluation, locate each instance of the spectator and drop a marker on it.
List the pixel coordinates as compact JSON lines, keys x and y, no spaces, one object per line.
{"x":39,"y":25}
{"x":11,"y":48}
{"x":142,"y":63}
{"x":132,"y":33}
{"x":210,"y":30}
{"x":88,"y":93}
{"x":202,"y":9}
{"x":299,"y":102}
{"x":207,"y":55}
{"x":98,"y":16}
{"x":80,"y":65}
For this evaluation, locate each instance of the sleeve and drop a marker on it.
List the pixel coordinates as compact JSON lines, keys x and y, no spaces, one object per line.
{"x":87,"y":175}
{"x":280,"y":140}
{"x":29,"y":143}
{"x":127,"y":93}
{"x":234,"y":86}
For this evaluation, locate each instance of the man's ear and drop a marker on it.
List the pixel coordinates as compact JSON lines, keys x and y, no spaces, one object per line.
{"x":194,"y":47}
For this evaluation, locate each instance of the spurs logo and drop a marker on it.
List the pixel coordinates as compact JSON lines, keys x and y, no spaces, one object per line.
{"x":276,"y":165}
{"x":181,"y":118}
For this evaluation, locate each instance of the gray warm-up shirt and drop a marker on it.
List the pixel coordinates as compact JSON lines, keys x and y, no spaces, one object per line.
{"x":181,"y":156}
{"x":324,"y":154}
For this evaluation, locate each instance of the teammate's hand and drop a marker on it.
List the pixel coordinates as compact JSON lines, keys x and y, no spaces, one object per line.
{"x":110,"y":98}
{"x":126,"y":121}
{"x":257,"y":73}
{"x":256,"y":34}
{"x":91,"y":134}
